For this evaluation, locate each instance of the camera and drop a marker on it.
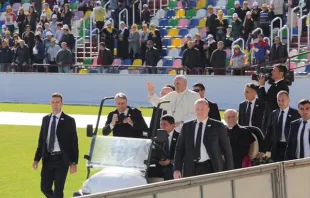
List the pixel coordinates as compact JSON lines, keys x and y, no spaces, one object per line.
{"x":266,"y":72}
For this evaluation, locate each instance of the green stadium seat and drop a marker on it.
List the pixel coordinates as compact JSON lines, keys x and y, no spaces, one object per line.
{"x":173,"y":22}
{"x":230,"y":4}
{"x":190,"y":13}
{"x":87,"y":62}
{"x":73,"y":6}
{"x":172,"y":5}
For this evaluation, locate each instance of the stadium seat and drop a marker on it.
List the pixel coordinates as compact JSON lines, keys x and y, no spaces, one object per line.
{"x":231,"y":11}
{"x":79,"y":14}
{"x":183,"y":23}
{"x":193,"y":31}
{"x":190,"y":13}
{"x":160,"y":63}
{"x":155,"y":22}
{"x":307,"y":69}
{"x":179,"y":6}
{"x":25,"y":6}
{"x":173,"y":53}
{"x":1,"y":23}
{"x":181,"y":53}
{"x":172,"y":4}
{"x":200,"y":14}
{"x":183,"y":32}
{"x":16,"y":6}
{"x":177,"y":63}
{"x":117,"y":62}
{"x":177,"y":42}
{"x":167,"y":62}
{"x":166,"y":42}
{"x":163,"y":52}
{"x":192,"y":4}
{"x":173,"y":32}
{"x":202,"y":23}
{"x":137,"y":62}
{"x":212,"y":2}
{"x":87,"y":62}
{"x":170,"y":14}
{"x":83,"y":71}
{"x":173,"y":22}
{"x":201,"y":4}
{"x":160,"y":14}
{"x":2,"y":16}
{"x":127,"y":62}
{"x":73,"y":6}
{"x":180,"y":13}
{"x":163,"y":32}
{"x":93,"y":71}
{"x":163,"y":23}
{"x":193,"y":23}
{"x":172,"y":72}
{"x":4,"y":6}
{"x":292,"y":65}
{"x":203,"y":33}
{"x":124,"y":71}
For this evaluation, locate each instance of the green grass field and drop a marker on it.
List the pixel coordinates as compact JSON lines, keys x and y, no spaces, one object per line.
{"x":17,"y":147}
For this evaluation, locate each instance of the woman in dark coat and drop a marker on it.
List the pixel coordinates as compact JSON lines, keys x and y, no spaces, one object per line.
{"x":155,"y":37}
{"x":66,"y":16}
{"x":122,"y":41}
{"x":20,"y":21}
{"x":39,"y":52}
{"x":108,"y":34}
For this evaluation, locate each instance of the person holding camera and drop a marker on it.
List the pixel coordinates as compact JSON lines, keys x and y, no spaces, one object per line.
{"x":124,"y":121}
{"x":270,"y":97}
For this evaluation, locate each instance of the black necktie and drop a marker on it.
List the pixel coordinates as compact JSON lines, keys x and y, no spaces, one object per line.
{"x":280,"y":125}
{"x":52,"y":135}
{"x":198,"y":142}
{"x":248,"y":114}
{"x":301,"y":143}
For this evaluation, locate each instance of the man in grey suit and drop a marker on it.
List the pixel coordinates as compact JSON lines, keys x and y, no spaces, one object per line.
{"x":201,"y":144}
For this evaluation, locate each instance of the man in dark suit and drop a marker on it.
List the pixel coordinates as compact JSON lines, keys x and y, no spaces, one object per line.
{"x":270,"y":97}
{"x":251,"y":111}
{"x":298,"y":145}
{"x":125,"y":121}
{"x":58,"y":149}
{"x":201,"y":144}
{"x":164,"y":91}
{"x":214,"y":112}
{"x":240,"y":137}
{"x":278,"y":127}
{"x":164,"y":167}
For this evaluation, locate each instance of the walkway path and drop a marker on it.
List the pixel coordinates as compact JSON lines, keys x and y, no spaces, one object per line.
{"x":35,"y":119}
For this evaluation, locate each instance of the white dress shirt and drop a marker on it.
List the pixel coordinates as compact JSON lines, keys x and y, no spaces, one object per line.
{"x":56,"y":144}
{"x":181,"y":105}
{"x":203,"y":150}
{"x":252,"y":108}
{"x":283,"y":139}
{"x":170,"y":135}
{"x":306,"y":139}
{"x":125,"y":113}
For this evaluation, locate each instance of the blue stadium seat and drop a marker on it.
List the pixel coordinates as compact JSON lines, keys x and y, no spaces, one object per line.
{"x":166,"y":42}
{"x":181,"y":53}
{"x":1,"y":23}
{"x":170,"y":14}
{"x":163,"y":22}
{"x":307,"y":69}
{"x":127,"y":62}
{"x":192,"y":4}
{"x":163,"y":52}
{"x":168,"y":63}
{"x":183,"y":32}
{"x":4,"y":6}
{"x":193,"y":23}
{"x":93,"y":71}
{"x":163,"y":32}
{"x":211,"y":2}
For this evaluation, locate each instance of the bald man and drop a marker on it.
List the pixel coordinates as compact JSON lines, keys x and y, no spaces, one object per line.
{"x":164,"y":91}
{"x":240,"y":138}
{"x":182,"y":101}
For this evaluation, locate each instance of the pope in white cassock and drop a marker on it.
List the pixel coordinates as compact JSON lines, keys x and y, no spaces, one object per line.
{"x":182,"y":101}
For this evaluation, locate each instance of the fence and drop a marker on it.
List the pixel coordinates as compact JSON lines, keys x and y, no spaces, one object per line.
{"x":278,"y":180}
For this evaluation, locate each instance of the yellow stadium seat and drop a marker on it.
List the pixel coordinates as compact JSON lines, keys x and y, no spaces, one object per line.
{"x":137,"y":62}
{"x":173,"y":32}
{"x":180,"y":13}
{"x":202,"y":23}
{"x":115,"y":51}
{"x":83,"y":71}
{"x":172,"y":73}
{"x":177,"y":42}
{"x":87,"y":14}
{"x":201,"y":4}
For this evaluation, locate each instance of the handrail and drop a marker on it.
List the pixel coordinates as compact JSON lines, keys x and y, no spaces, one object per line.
{"x":253,"y":32}
{"x":271,"y":28}
{"x":133,"y":12}
{"x":154,"y":8}
{"x":90,"y":34}
{"x":76,"y":48}
{"x":119,"y":17}
{"x":300,"y":30}
{"x":292,"y":18}
{"x":161,"y":4}
{"x":140,"y":7}
{"x":91,"y":41}
{"x":236,"y":41}
{"x":288,"y":36}
{"x":84,"y":38}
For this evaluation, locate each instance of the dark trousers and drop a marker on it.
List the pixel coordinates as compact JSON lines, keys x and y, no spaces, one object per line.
{"x":168,"y":172}
{"x":238,"y":72}
{"x":54,"y":171}
{"x":203,"y":168}
{"x":220,"y":71}
{"x":53,"y":68}
{"x":99,"y":24}
{"x":280,"y":152}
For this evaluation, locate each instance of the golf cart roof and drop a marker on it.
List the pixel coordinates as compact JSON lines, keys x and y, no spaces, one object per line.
{"x":119,"y":152}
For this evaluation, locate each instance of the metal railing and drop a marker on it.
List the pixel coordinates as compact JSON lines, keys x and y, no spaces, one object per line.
{"x":76,"y":47}
{"x":271,"y":27}
{"x":287,"y":37}
{"x":119,"y":16}
{"x":300,"y":30}
{"x":91,"y":42}
{"x":292,"y":18}
{"x":237,"y":41}
{"x":133,"y":11}
{"x":154,"y":7}
{"x":252,"y":40}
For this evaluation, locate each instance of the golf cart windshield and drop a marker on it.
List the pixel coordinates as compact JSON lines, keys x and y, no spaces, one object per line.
{"x":119,"y":152}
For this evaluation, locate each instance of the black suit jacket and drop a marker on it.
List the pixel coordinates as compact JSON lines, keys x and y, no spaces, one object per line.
{"x":257,"y":115}
{"x":270,"y":97}
{"x":273,"y":136}
{"x":216,"y":141}
{"x":125,"y":130}
{"x":67,"y":139}
{"x":214,"y":112}
{"x":292,"y":142}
